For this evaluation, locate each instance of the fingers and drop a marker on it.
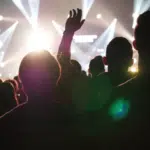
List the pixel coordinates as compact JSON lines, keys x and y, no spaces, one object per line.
{"x":70,"y":14}
{"x":79,"y":14}
{"x":74,"y":13}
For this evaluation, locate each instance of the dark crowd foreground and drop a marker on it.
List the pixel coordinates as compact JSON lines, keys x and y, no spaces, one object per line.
{"x":54,"y":103}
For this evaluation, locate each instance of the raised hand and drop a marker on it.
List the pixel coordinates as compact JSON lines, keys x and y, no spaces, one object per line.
{"x":74,"y":22}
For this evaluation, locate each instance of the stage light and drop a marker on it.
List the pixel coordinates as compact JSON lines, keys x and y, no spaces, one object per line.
{"x":39,"y":40}
{"x":134,"y":60}
{"x":98,"y":16}
{"x":106,"y":36}
{"x":86,"y":6}
{"x":29,"y":9}
{"x":140,"y":6}
{"x":5,"y":39}
{"x":133,"y":69}
{"x":2,"y":65}
{"x":0,"y":75}
{"x":1,"y":18}
{"x":84,"y":38}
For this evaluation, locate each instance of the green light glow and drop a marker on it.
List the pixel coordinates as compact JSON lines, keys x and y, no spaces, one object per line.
{"x":119,"y":109}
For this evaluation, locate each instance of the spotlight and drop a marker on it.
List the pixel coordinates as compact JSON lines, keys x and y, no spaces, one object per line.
{"x":133,"y":69}
{"x":2,"y":65}
{"x":1,"y":18}
{"x":0,"y":75}
{"x":98,"y":16}
{"x":39,"y":40}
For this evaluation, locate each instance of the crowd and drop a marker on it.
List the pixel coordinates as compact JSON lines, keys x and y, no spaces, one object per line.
{"x":54,"y":101}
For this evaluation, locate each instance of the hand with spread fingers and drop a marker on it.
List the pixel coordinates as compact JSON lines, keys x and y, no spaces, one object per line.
{"x":74,"y":22}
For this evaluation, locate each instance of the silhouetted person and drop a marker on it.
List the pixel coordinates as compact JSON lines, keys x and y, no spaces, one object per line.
{"x":71,"y":69}
{"x":8,"y":99}
{"x":39,"y":121}
{"x":96,"y":66}
{"x":99,"y":85}
{"x":76,"y":68}
{"x":130,"y":121}
{"x":119,"y":58}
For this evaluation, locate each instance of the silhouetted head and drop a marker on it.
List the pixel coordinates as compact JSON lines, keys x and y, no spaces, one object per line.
{"x":14,"y":83}
{"x":76,"y":66}
{"x":39,"y":72}
{"x":119,"y":54}
{"x":83,"y":73}
{"x":96,"y":66}
{"x":142,"y":38}
{"x":8,"y":97}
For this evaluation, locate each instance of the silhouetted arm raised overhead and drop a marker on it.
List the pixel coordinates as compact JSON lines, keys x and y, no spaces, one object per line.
{"x":73,"y":23}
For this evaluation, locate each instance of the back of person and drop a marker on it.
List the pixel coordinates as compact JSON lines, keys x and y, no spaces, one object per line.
{"x":40,"y":120}
{"x":129,"y":107}
{"x":119,"y":58}
{"x":99,"y":85}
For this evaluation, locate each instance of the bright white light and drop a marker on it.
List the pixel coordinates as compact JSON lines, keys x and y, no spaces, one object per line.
{"x":30,"y":9}
{"x":2,"y":65}
{"x":134,"y":15}
{"x":98,"y":16}
{"x":1,"y":18}
{"x":140,"y":6}
{"x":84,"y":38}
{"x":39,"y":40}
{"x":59,"y":28}
{"x":0,"y":75}
{"x":73,"y":51}
{"x":134,"y":60}
{"x":133,"y":38}
{"x":100,"y":50}
{"x":86,"y":6}
{"x":86,"y":67}
{"x":1,"y":44}
{"x":133,"y":69}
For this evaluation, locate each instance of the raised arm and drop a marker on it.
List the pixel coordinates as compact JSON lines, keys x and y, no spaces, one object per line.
{"x":73,"y":23}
